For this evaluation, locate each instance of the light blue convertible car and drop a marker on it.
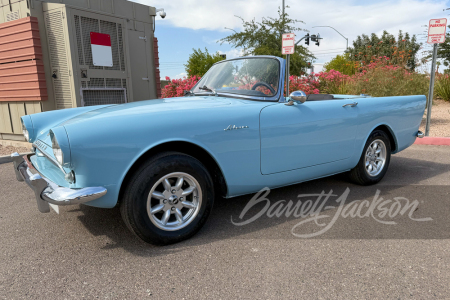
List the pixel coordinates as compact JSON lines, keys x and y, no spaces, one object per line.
{"x":164,"y":161}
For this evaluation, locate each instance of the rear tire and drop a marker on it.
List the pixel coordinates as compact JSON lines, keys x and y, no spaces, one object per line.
{"x":168,"y":199}
{"x":374,"y":161}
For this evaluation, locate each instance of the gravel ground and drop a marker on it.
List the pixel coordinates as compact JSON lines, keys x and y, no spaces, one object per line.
{"x":440,"y":119}
{"x":7,"y":150}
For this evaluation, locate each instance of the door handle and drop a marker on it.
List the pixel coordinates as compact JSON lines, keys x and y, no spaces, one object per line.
{"x":350,"y":104}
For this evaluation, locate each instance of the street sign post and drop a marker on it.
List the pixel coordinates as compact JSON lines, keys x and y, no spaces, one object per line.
{"x":436,"y":31}
{"x":287,"y":48}
{"x":436,"y":35}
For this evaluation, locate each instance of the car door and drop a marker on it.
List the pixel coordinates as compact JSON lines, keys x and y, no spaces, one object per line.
{"x":306,"y":135}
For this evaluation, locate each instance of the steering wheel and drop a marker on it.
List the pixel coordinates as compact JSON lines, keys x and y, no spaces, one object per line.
{"x":262,"y":83}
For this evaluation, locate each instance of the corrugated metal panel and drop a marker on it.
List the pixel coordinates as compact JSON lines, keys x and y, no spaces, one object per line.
{"x":19,"y":40}
{"x":58,"y":59}
{"x":22,"y":75}
{"x":23,"y":81}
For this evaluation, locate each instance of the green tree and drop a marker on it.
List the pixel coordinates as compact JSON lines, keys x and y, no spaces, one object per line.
{"x":264,"y":38}
{"x":199,"y":62}
{"x":341,"y":63}
{"x":401,"y":50}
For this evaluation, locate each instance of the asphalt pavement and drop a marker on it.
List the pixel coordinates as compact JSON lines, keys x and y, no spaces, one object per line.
{"x":398,"y":250}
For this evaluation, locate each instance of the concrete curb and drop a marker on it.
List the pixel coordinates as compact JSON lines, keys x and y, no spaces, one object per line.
{"x":12,"y":143}
{"x":437,"y":141}
{"x":7,"y":158}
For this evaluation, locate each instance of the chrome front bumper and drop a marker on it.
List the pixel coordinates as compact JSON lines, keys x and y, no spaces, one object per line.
{"x":48,"y":192}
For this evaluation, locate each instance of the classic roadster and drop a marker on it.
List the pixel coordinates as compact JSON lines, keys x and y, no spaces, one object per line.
{"x":164,"y":161}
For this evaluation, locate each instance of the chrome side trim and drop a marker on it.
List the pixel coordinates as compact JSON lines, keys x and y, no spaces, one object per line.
{"x":53,"y":160}
{"x":420,"y":134}
{"x":47,"y":191}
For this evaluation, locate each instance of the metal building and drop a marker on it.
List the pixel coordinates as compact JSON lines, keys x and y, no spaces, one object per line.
{"x":47,"y":60}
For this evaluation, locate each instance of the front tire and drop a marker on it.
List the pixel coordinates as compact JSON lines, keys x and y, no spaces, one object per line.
{"x":168,"y":199}
{"x":374,"y":160}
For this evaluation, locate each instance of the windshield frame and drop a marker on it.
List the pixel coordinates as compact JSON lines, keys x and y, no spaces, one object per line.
{"x":274,"y":98}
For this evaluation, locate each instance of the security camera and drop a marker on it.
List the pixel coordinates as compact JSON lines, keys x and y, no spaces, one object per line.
{"x":161,"y":11}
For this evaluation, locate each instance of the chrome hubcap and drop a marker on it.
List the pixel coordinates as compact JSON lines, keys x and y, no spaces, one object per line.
{"x":375,"y":158}
{"x":174,"y":201}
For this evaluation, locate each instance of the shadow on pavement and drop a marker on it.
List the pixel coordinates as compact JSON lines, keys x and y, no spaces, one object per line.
{"x":432,"y":203}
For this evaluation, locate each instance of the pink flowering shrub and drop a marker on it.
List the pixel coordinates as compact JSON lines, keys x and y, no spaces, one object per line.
{"x":308,"y":84}
{"x":176,"y":87}
{"x":333,"y":82}
{"x":378,"y":78}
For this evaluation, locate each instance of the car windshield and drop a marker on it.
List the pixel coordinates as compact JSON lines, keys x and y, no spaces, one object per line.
{"x":247,"y":76}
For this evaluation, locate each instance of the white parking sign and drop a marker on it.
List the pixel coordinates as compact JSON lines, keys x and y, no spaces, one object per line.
{"x":436,"y":31}
{"x":288,"y":46}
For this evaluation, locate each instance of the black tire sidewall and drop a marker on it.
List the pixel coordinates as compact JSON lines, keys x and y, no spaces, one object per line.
{"x":139,"y":188}
{"x":381,"y":135}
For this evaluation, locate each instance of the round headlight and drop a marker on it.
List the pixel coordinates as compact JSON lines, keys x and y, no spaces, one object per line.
{"x":25,"y":132}
{"x":57,"y":150}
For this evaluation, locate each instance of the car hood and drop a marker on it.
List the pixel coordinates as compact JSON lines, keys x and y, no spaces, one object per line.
{"x":153,"y":106}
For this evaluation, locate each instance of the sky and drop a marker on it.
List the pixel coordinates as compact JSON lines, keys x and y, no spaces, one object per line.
{"x":200,"y":24}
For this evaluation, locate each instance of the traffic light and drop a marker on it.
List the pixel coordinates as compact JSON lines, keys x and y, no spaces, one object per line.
{"x":318,"y":38}
{"x":307,"y":39}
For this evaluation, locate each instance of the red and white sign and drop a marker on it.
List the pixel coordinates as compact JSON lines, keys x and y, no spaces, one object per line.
{"x":436,"y":31}
{"x":101,"y":49}
{"x":288,"y":43}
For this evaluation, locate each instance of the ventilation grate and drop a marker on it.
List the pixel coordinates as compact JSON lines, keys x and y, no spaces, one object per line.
{"x":79,"y":40}
{"x":97,"y":83}
{"x":111,"y":29}
{"x":84,"y":26}
{"x":113,"y":83}
{"x":12,"y":16}
{"x":58,"y":59}
{"x":103,"y":96}
{"x":120,"y":41}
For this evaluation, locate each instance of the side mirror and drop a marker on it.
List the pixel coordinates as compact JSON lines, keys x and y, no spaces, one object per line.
{"x":297,"y":96}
